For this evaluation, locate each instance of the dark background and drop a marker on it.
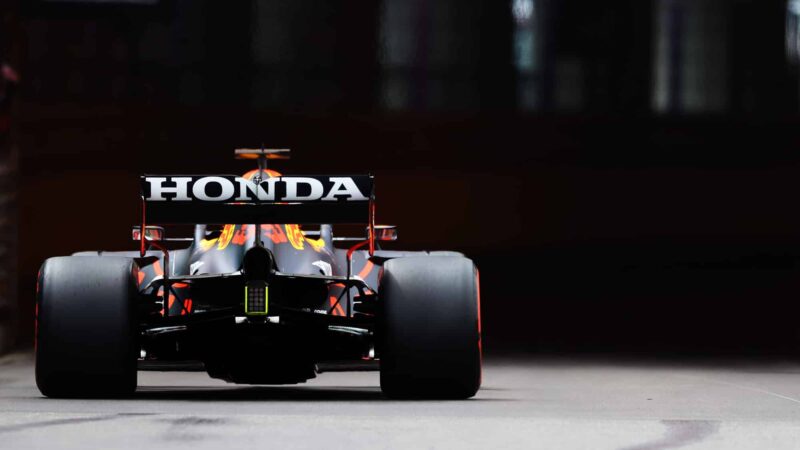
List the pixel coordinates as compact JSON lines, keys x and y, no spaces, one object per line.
{"x":624,"y":173}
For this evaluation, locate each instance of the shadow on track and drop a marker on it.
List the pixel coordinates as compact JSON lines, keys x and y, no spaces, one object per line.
{"x":275,"y":393}
{"x":258,"y":393}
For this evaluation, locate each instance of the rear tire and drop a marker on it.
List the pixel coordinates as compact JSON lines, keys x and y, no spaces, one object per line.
{"x":429,"y":328}
{"x":86,"y":327}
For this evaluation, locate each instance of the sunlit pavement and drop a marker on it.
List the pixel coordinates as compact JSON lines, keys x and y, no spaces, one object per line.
{"x":537,"y":402}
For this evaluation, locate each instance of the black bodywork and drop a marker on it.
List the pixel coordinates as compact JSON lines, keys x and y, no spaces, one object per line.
{"x":321,"y":303}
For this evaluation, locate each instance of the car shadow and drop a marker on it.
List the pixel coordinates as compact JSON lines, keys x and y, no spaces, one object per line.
{"x":270,"y":393}
{"x":259,"y":393}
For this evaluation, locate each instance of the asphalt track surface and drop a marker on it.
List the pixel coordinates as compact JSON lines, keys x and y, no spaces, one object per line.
{"x":575,"y":402}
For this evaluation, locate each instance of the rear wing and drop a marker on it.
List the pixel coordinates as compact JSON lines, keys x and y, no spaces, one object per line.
{"x":308,"y":199}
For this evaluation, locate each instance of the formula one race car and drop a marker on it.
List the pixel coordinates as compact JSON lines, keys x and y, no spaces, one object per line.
{"x":260,"y":300}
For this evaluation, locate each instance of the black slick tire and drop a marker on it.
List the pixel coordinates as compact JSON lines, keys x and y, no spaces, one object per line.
{"x":86,"y":327}
{"x":429,"y":328}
